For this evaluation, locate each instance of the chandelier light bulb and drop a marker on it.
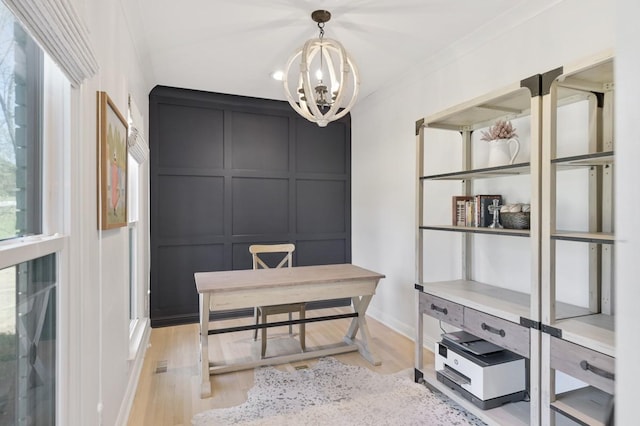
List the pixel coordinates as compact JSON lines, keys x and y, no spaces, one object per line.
{"x":321,"y":101}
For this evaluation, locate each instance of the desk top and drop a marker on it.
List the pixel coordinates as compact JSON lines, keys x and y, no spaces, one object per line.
{"x":245,"y":279}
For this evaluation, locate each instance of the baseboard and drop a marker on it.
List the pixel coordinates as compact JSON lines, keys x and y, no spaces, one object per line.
{"x":392,"y":323}
{"x":401,"y":328}
{"x":429,"y":344}
{"x":135,"y":368}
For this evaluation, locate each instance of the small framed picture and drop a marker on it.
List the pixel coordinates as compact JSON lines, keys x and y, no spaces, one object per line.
{"x":112,"y":165}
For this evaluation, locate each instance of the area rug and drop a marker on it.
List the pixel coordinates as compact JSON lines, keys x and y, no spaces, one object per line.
{"x":333,"y":393}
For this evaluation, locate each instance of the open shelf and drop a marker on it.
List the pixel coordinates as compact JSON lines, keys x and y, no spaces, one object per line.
{"x":500,"y":302}
{"x":513,"y":414}
{"x":586,"y":160}
{"x":484,"y":173}
{"x":592,"y":75}
{"x":512,"y":101}
{"x":596,"y":331}
{"x":497,"y":301}
{"x":586,"y":237}
{"x":587,"y":405}
{"x":478,"y":230}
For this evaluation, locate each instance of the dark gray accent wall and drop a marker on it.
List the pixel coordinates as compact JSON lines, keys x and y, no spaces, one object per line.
{"x":229,"y":171}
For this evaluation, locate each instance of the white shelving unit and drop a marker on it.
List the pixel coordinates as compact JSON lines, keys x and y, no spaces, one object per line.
{"x":461,"y":301}
{"x":581,"y":346}
{"x":565,"y":321}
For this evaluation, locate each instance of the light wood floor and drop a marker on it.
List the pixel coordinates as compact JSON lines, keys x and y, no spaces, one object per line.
{"x":168,"y":390}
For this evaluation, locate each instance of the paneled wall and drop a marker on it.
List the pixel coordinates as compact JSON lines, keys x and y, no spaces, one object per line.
{"x":229,"y":171}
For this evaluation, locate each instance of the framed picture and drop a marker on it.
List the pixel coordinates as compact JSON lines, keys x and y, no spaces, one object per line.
{"x":112,"y":165}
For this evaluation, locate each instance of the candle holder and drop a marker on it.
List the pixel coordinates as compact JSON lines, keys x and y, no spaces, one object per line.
{"x":495,"y":210}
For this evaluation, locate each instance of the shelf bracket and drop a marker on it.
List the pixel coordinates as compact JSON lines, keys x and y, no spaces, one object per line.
{"x":547,"y":80}
{"x":533,"y":83}
{"x":526,"y":322}
{"x":419,"y":125}
{"x":552,"y":331}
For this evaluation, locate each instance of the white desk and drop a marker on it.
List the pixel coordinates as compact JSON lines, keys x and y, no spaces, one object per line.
{"x":262,"y":287}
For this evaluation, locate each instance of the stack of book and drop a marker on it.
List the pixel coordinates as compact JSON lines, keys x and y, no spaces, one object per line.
{"x":473,"y":210}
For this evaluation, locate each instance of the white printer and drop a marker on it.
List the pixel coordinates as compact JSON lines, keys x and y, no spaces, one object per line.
{"x":484,"y":373}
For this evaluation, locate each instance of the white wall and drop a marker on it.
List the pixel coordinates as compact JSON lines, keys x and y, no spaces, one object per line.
{"x":99,"y":265}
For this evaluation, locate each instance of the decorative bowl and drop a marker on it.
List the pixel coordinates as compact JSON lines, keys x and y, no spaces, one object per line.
{"x":515,"y":220}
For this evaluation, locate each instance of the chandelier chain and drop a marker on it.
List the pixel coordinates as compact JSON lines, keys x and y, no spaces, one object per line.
{"x":321,"y":27}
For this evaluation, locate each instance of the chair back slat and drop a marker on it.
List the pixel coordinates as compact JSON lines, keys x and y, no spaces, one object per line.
{"x":257,"y":249}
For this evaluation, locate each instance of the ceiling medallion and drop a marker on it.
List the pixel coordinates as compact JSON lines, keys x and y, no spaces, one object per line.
{"x":327,"y":80}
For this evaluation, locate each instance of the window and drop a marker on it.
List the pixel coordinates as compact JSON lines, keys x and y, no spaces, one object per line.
{"x":21,"y":77}
{"x":132,"y":209}
{"x":138,"y":153}
{"x":28,"y":343}
{"x":28,"y":256}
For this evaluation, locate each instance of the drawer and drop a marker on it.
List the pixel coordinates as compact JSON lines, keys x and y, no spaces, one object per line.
{"x":442,"y":309}
{"x":507,"y":334}
{"x":584,"y":364}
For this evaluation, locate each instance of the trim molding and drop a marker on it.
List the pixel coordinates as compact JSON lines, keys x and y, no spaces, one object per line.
{"x":141,"y":335}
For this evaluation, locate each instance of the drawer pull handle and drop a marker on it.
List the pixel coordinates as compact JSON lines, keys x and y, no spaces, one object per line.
{"x":598,"y":371}
{"x":439,"y":309}
{"x":493,"y":330}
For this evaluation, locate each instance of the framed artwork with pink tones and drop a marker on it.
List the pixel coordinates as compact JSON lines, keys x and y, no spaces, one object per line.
{"x":112,"y":164}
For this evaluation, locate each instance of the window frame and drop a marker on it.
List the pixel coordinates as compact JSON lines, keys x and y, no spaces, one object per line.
{"x":48,"y":148}
{"x":138,"y":320}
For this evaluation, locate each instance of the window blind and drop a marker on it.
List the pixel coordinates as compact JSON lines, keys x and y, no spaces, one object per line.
{"x":138,"y":147}
{"x":58,"y":29}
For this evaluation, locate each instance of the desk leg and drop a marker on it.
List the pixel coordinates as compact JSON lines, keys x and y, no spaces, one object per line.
{"x":205,"y":382}
{"x":360,"y":305}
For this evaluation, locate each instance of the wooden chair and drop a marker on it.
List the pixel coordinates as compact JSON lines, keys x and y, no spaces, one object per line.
{"x":263,"y":311}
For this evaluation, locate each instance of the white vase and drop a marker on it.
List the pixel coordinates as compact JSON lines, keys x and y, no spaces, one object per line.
{"x":500,"y":152}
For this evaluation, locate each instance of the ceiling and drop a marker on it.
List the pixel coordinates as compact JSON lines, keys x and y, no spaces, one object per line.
{"x":232,"y":46}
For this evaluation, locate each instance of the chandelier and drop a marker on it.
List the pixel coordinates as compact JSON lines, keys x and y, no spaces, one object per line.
{"x":327,"y":83}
